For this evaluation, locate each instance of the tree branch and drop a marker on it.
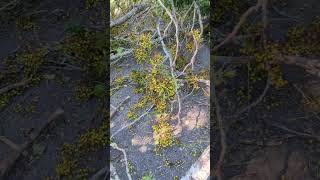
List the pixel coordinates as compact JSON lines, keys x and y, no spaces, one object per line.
{"x":138,"y":8}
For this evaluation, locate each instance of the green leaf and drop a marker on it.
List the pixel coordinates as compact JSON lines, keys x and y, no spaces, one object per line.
{"x":38,"y":149}
{"x":120,"y":50}
{"x":99,"y":90}
{"x":148,"y":176}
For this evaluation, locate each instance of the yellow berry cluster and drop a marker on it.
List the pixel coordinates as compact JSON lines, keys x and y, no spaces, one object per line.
{"x":32,"y":59}
{"x":83,"y":92}
{"x":158,"y":85}
{"x":193,"y":81}
{"x":190,"y":43}
{"x":66,"y":168}
{"x":163,"y":131}
{"x":143,"y":50}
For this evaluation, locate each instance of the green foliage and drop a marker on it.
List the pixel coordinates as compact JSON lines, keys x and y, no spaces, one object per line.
{"x":148,"y":176}
{"x":99,"y":90}
{"x":92,"y":140}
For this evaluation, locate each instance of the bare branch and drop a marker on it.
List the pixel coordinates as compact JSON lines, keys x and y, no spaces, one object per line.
{"x":131,"y":13}
{"x":133,"y":122}
{"x":115,"y":146}
{"x":222,"y":133}
{"x":172,"y":73}
{"x":242,"y":20}
{"x":7,"y":163}
{"x":200,"y":170}
{"x":260,"y":98}
{"x":173,"y":18}
{"x":15,"y":85}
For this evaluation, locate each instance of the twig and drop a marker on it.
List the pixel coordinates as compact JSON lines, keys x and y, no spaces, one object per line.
{"x":67,"y":66}
{"x":312,"y":66}
{"x":260,"y":98}
{"x":6,"y":164}
{"x":127,"y":16}
{"x":307,"y":98}
{"x":115,"y":58}
{"x":172,"y":73}
{"x":222,"y":133}
{"x":242,"y":20}
{"x":296,"y":132}
{"x":115,"y":146}
{"x":15,"y":85}
{"x":14,"y":2}
{"x":285,"y":15}
{"x":173,"y":18}
{"x":199,"y":17}
{"x":100,"y":173}
{"x":187,"y":12}
{"x":61,"y":68}
{"x":133,"y":122}
{"x":12,"y":145}
{"x":200,"y":170}
{"x":113,"y":173}
{"x":264,"y":6}
{"x":119,"y":105}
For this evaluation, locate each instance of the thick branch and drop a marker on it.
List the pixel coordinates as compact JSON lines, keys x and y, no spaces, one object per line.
{"x":200,"y":170}
{"x":10,"y":160}
{"x":312,"y":66}
{"x":14,"y":86}
{"x":236,"y":29}
{"x":123,"y":19}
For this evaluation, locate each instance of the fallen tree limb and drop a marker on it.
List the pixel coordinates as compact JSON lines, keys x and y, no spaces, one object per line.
{"x":200,"y":170}
{"x":102,"y":172}
{"x":113,"y":175}
{"x":119,"y":105}
{"x":223,"y":141}
{"x":12,"y":145}
{"x":256,"y":102}
{"x":115,"y":146}
{"x":311,"y":66}
{"x":295,"y":132}
{"x":138,"y":8}
{"x":7,"y":6}
{"x":242,"y":20}
{"x":15,"y":85}
{"x":133,"y":122}
{"x":6,"y":164}
{"x":116,"y":57}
